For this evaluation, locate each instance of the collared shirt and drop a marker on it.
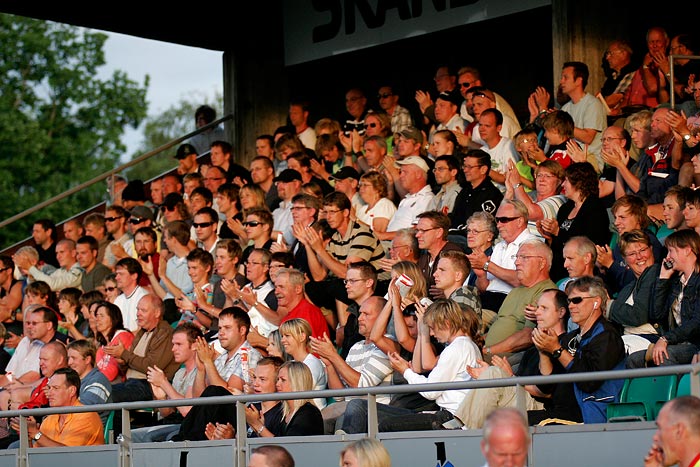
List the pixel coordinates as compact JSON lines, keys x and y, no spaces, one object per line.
{"x":60,"y":278}
{"x":233,"y":365}
{"x":284,"y":220}
{"x":409,"y":207}
{"x":504,"y":256}
{"x":445,"y":198}
{"x":176,"y":270}
{"x":25,"y":358}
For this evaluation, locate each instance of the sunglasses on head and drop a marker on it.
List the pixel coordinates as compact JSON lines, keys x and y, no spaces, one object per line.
{"x":251,"y":223}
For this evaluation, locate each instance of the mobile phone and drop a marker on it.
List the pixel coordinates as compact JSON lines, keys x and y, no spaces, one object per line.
{"x":668,"y":264}
{"x":279,"y":238}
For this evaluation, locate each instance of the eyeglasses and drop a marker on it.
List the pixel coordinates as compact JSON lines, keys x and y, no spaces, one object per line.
{"x":330,"y":212}
{"x":251,"y":223}
{"x":609,"y":139}
{"x":576,"y":300}
{"x":384,"y":96}
{"x":543,"y":175}
{"x":201,"y":225}
{"x":364,"y":184}
{"x":469,"y":167}
{"x":611,"y":52}
{"x":34,"y":323}
{"x":422,"y":231}
{"x":136,"y":220}
{"x":524,"y":257}
{"x":209,"y":179}
{"x":465,"y":85}
{"x":110,"y":289}
{"x":298,"y":208}
{"x":641,"y":251}
{"x":352,"y":281}
{"x":396,"y":247}
{"x":112,"y":219}
{"x":505,"y":220}
{"x":474,"y":231}
{"x":373,"y":125}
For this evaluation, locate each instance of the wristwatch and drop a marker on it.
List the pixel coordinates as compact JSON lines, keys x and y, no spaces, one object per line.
{"x":486,"y":265}
{"x":557,"y":353}
{"x":517,"y":185}
{"x":686,"y":137}
{"x":37,"y":436}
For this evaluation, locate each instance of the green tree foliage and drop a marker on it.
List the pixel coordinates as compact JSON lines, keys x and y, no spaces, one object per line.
{"x":59,"y":124}
{"x":175,"y":122}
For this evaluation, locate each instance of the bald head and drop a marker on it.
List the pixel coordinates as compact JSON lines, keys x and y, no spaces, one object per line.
{"x":506,"y":437}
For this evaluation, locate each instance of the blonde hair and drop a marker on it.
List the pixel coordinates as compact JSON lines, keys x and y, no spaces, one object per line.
{"x":299,"y":329}
{"x":411,"y":269}
{"x":300,"y":379}
{"x":369,"y":452}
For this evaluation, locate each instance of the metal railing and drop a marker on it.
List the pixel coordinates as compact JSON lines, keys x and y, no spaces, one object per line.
{"x":109,"y":173}
{"x":371,"y":393}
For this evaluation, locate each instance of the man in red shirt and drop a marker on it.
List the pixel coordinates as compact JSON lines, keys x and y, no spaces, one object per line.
{"x":289,"y":290}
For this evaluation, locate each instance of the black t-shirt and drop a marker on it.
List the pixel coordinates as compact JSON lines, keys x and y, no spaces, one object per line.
{"x":306,"y":421}
{"x":484,"y":197}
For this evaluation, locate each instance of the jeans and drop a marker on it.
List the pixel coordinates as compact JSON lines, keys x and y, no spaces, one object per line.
{"x":678,"y":354}
{"x":132,"y":390}
{"x":151,"y":434}
{"x":392,"y":418}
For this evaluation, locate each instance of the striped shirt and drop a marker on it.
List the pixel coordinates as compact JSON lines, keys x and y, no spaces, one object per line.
{"x":358,"y":242}
{"x":373,"y":365}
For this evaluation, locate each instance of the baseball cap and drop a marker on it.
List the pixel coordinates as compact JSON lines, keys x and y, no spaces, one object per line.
{"x":346,"y":172}
{"x":185,"y":150}
{"x":288,"y":175}
{"x":142,"y":212}
{"x":452,"y":97}
{"x":415,"y":160}
{"x":413,"y":133}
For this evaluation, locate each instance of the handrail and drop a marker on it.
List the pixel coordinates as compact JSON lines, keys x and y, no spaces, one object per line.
{"x":371,"y":392}
{"x":673,"y":74}
{"x":111,"y":172}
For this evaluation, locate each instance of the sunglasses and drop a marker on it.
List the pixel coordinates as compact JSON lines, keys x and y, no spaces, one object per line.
{"x":384,"y":96}
{"x":112,"y":219}
{"x":110,"y":289}
{"x":465,"y":85}
{"x":505,"y":220}
{"x":373,"y":125}
{"x":136,"y":220}
{"x":251,"y":223}
{"x":576,"y":300}
{"x":201,"y":225}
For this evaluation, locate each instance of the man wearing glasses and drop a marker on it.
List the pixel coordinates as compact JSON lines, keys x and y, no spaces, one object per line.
{"x":497,"y":274}
{"x":511,"y":332}
{"x":479,"y":193}
{"x":205,"y":225}
{"x":389,"y":102}
{"x":351,"y":242}
{"x":595,"y":346}
{"x":115,"y":223}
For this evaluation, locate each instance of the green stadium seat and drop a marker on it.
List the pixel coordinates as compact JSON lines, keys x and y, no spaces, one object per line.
{"x":642,"y":397}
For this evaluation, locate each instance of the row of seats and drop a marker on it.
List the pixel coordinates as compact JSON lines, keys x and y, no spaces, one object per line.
{"x":642,"y":398}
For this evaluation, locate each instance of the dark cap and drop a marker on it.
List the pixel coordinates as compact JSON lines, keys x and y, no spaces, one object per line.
{"x":171,"y":200}
{"x":185,"y":150}
{"x":142,"y":212}
{"x":452,"y":97}
{"x":346,"y":172}
{"x":288,"y":175}
{"x":413,"y":133}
